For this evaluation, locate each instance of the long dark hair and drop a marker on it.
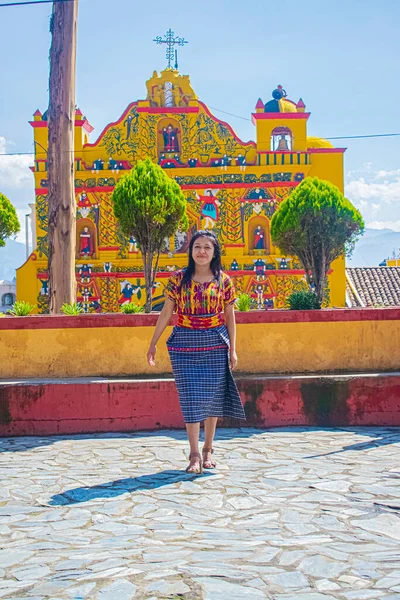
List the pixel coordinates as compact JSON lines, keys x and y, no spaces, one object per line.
{"x":215,"y":265}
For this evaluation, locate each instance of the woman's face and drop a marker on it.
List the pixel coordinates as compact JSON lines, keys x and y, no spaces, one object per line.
{"x":203,"y":251}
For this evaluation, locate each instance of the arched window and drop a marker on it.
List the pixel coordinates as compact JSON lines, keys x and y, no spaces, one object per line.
{"x":281,"y":139}
{"x":8,"y":299}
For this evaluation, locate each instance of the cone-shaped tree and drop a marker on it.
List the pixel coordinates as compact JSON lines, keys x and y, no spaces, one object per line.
{"x":317,"y":224}
{"x":9,"y":224}
{"x":151,"y":207}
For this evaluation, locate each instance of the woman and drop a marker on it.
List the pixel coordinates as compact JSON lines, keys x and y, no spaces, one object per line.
{"x":202,"y":347}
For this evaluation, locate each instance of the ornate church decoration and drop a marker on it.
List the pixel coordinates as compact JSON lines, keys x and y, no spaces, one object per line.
{"x":232,"y":187}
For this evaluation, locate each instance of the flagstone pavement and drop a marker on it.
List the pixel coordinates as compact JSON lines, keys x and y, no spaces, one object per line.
{"x":289,"y":514}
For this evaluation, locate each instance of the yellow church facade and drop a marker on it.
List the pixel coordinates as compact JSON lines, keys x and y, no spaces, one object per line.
{"x":232,"y":187}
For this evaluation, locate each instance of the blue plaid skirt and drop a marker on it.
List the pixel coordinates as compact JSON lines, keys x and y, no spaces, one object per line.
{"x":200,"y":363}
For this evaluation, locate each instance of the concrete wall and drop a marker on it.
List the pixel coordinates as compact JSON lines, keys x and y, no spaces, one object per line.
{"x":83,"y":406}
{"x":330,"y":340}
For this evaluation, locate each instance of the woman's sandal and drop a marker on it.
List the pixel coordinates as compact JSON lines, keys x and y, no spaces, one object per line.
{"x":192,"y":469}
{"x":208,"y":464}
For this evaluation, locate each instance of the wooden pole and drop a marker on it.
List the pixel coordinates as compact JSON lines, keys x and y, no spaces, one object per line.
{"x":61,"y":122}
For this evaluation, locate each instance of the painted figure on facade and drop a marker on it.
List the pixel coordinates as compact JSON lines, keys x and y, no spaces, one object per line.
{"x":114,"y":166}
{"x":170,"y":135}
{"x":259,"y":296}
{"x":86,"y":243}
{"x":259,"y":268}
{"x":86,"y":294}
{"x":209,"y":210}
{"x":241,"y":161}
{"x":268,"y":303}
{"x":98,"y":165}
{"x":95,"y":306}
{"x":127,"y":291}
{"x":157,"y":95}
{"x":85,"y":272}
{"x":84,"y":205}
{"x":283,"y":264}
{"x":259,"y":238}
{"x":128,"y":125}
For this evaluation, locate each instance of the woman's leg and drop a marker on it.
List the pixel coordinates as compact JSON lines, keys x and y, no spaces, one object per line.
{"x":210,"y":426}
{"x":193,"y":431}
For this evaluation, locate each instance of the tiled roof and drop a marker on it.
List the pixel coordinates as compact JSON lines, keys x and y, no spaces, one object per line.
{"x":375,"y":286}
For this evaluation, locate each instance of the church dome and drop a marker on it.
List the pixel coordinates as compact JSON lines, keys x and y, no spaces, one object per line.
{"x":316,"y":142}
{"x":280,"y":103}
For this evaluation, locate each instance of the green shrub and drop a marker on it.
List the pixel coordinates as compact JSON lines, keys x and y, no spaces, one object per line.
{"x":243,"y":303}
{"x":72,"y":309}
{"x":21,"y":309}
{"x":303,"y":300}
{"x":132,"y":308}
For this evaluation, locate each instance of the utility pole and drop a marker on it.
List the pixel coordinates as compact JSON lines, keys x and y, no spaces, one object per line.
{"x":61,"y":123}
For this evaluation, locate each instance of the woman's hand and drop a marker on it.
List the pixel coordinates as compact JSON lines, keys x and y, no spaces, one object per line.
{"x":151,"y":355}
{"x":233,"y":358}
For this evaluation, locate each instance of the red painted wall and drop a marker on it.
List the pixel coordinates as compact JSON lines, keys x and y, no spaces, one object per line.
{"x":326,"y":315}
{"x":132,"y":405}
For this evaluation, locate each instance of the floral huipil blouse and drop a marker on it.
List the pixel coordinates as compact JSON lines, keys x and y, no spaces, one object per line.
{"x":206,"y":301}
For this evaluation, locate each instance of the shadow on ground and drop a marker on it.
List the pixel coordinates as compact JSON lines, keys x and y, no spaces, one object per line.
{"x":112,"y":489}
{"x":383,"y":438}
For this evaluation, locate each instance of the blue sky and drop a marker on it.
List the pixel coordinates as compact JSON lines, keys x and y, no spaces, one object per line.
{"x":341,"y":57}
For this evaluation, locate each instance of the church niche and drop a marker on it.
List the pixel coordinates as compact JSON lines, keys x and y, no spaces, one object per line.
{"x":258,"y":238}
{"x":169,"y":139}
{"x":86,"y":242}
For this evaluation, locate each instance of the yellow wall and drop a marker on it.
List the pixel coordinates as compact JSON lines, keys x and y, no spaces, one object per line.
{"x":295,"y":347}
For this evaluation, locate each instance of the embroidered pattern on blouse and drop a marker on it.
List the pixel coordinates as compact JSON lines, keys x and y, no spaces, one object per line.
{"x":200,"y":298}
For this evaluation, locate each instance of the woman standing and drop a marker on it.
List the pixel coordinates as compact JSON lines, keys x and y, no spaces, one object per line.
{"x":202,"y":346}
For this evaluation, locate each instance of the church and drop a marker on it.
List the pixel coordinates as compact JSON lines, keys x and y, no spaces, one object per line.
{"x":232,"y":187}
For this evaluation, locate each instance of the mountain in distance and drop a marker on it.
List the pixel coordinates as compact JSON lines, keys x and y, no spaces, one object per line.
{"x":12,"y":256}
{"x":374,"y":246}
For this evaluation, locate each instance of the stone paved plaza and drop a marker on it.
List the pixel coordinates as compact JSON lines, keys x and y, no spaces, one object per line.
{"x":289,"y":514}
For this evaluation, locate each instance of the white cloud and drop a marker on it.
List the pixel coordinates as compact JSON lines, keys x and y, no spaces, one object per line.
{"x":393,"y":225}
{"x":376,"y":193}
{"x":14,"y":170}
{"x":382,"y":173}
{"x":360,"y":189}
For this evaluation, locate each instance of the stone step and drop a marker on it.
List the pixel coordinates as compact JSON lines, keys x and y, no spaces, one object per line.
{"x":95,"y":404}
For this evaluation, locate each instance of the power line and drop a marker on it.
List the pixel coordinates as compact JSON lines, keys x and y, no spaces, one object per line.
{"x":230,"y":114}
{"x":34,"y":2}
{"x":355,"y":137}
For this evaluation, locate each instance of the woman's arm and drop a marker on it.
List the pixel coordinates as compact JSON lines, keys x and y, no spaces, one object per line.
{"x":162,"y":322}
{"x":231,"y":326}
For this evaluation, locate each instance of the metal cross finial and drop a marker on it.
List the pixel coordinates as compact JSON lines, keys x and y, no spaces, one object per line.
{"x":171,"y":40}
